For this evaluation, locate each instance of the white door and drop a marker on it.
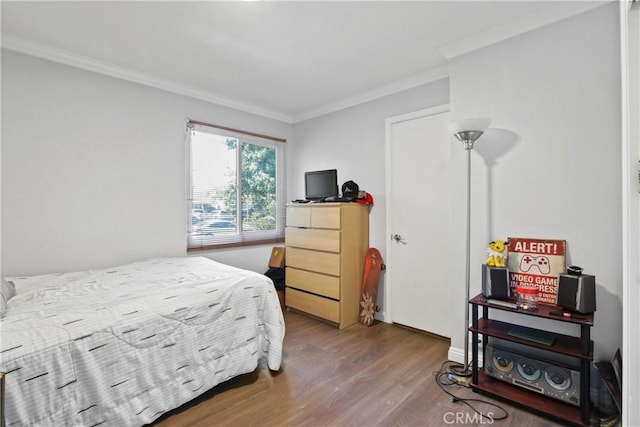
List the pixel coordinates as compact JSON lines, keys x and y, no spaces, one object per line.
{"x":418,"y":274}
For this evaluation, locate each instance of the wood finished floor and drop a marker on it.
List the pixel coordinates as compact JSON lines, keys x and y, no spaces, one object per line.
{"x":381,"y":375}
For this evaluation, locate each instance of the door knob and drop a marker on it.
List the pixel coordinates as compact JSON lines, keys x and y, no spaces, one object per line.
{"x":397,"y":238}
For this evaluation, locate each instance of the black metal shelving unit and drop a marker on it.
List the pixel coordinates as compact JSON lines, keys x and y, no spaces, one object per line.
{"x":580,"y":347}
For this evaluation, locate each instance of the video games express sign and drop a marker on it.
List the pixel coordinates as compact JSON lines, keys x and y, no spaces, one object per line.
{"x":536,"y":263}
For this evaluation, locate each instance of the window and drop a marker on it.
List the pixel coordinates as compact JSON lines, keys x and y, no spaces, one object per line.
{"x":235,"y":188}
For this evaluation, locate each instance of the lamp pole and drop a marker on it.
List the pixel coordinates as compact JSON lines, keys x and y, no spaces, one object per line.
{"x":467,"y":275}
{"x":468,"y":131}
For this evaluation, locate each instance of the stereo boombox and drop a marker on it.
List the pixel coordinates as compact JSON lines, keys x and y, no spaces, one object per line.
{"x":542,"y":371}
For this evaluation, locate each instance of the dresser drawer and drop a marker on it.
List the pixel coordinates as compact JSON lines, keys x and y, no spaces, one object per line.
{"x":325,"y":217}
{"x":321,"y":284}
{"x":313,"y":304}
{"x":298,"y":216}
{"x":320,"y":262}
{"x":319,"y":240}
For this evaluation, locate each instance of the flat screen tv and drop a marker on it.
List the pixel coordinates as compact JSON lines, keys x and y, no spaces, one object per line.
{"x":318,"y":185}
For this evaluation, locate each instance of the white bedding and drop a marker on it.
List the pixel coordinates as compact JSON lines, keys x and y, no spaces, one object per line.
{"x":121,"y":346}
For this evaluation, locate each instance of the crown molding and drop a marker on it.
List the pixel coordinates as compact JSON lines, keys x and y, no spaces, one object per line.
{"x":532,"y":21}
{"x":540,"y":18}
{"x":66,"y":57}
{"x":416,"y":80}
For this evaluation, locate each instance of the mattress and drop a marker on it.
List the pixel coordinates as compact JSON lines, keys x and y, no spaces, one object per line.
{"x":122,"y":346}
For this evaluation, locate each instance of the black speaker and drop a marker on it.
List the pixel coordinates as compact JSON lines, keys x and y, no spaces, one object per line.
{"x":495,"y":282}
{"x":577,"y":292}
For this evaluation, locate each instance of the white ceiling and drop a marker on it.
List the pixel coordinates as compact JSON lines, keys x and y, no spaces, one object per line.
{"x":284,"y":60}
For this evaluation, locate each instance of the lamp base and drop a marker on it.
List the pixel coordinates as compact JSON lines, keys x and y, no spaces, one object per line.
{"x":460,"y":375}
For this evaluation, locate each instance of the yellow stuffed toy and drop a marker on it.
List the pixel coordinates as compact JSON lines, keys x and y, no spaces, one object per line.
{"x":497,"y":251}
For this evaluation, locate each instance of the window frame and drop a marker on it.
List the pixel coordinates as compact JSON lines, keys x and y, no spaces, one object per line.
{"x":240,"y":238}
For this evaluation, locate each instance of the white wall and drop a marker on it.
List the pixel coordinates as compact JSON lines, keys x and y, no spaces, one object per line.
{"x":93,"y":169}
{"x":554,"y":97}
{"x":353,"y":142}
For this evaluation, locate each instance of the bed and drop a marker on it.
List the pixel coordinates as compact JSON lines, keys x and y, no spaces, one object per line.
{"x":122,"y":346}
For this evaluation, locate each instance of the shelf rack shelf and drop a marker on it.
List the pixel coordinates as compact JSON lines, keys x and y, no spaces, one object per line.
{"x":580,"y":347}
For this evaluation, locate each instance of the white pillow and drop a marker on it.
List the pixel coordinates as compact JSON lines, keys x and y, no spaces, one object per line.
{"x":8,"y":291}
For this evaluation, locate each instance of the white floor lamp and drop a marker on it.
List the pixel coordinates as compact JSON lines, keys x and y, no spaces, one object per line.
{"x":468,"y":131}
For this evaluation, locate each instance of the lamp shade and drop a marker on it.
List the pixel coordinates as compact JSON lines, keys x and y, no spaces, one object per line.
{"x":475,"y":124}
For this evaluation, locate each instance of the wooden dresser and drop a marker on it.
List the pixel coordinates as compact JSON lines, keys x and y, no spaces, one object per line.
{"x":326,"y":245}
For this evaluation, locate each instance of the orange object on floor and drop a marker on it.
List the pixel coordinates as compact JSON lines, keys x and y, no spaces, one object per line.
{"x":370,"y":280}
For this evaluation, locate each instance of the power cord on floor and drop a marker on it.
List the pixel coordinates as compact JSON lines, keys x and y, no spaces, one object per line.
{"x":444,"y":379}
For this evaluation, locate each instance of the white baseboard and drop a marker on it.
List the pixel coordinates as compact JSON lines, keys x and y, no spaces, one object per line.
{"x":457,"y":355}
{"x":382,"y":316}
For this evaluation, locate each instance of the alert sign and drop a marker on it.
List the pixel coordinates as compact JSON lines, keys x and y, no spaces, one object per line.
{"x":536,"y":263}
